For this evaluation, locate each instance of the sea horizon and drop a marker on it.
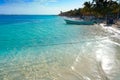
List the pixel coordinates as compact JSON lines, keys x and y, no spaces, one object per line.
{"x":59,"y":39}
{"x":31,"y":14}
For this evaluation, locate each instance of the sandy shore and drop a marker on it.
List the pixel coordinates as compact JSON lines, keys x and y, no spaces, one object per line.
{"x":111,"y":28}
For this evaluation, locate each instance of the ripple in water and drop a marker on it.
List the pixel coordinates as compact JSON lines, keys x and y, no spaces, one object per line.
{"x":73,"y":53}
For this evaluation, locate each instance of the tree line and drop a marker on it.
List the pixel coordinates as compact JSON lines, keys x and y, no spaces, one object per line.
{"x":97,"y":8}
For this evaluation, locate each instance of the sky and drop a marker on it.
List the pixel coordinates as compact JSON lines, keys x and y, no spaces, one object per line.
{"x":38,"y":6}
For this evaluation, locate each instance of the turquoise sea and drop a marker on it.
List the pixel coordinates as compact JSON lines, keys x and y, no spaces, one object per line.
{"x":43,"y":47}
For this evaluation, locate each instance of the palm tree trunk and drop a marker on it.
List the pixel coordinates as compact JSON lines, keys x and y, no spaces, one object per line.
{"x":118,"y":9}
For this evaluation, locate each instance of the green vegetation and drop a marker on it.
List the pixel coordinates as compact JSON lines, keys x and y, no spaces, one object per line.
{"x":97,"y":8}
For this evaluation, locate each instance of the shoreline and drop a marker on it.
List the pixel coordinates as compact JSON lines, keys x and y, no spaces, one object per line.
{"x":111,"y":28}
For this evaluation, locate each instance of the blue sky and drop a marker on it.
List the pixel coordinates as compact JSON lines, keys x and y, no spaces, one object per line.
{"x":38,"y":6}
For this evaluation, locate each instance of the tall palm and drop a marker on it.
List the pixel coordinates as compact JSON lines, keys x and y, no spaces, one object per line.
{"x":118,"y":9}
{"x":101,"y":7}
{"x":87,"y":8}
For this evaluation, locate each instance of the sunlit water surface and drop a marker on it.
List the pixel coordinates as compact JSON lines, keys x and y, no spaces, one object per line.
{"x":45,"y":48}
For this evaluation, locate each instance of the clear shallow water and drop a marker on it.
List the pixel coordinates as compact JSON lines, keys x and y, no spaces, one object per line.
{"x":45,"y":48}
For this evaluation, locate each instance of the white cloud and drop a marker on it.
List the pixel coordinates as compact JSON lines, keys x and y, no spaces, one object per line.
{"x":28,"y":8}
{"x":37,"y":6}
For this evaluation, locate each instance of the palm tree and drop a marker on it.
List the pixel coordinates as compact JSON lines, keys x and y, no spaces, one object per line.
{"x":87,"y":8}
{"x":98,"y":8}
{"x":118,"y":9}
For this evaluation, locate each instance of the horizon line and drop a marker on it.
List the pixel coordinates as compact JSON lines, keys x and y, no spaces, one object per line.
{"x":29,"y":14}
